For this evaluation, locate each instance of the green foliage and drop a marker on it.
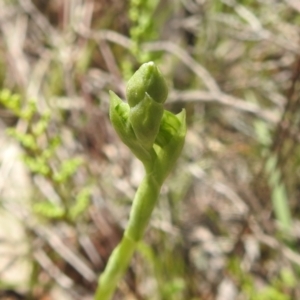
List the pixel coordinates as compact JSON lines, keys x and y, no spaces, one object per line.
{"x":276,"y":290}
{"x":11,"y":101}
{"x":173,"y":289}
{"x":82,"y":201}
{"x":49,"y":210}
{"x":85,"y":57}
{"x":40,"y":156}
{"x":168,"y":270}
{"x":37,"y":165}
{"x":270,"y":293}
{"x":55,"y":79}
{"x":28,"y":141}
{"x":52,"y":210}
{"x":67,"y":169}
{"x":143,"y":28}
{"x":278,"y":190}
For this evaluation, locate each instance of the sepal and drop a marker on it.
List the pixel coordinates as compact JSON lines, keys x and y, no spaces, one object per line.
{"x":119,"y":116}
{"x":145,"y":118}
{"x":169,"y":143}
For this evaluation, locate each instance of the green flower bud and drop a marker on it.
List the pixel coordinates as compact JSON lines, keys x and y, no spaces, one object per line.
{"x":147,"y":79}
{"x":146,"y":92}
{"x":154,"y":135}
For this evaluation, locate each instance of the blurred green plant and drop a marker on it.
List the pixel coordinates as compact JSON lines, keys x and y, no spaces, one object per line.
{"x":278,"y":190}
{"x":40,"y":156}
{"x":143,"y":28}
{"x":277,"y":289}
{"x":168,"y":269}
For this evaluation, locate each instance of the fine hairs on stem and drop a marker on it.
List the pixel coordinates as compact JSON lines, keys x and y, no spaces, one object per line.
{"x":156,"y":137}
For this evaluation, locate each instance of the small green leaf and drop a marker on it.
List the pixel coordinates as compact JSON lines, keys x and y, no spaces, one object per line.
{"x":119,"y":114}
{"x":67,"y":169}
{"x":49,"y":210}
{"x":172,"y":145}
{"x":81,"y":203}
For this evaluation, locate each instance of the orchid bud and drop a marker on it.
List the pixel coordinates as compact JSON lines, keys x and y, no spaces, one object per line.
{"x":154,"y":135}
{"x":146,"y":92}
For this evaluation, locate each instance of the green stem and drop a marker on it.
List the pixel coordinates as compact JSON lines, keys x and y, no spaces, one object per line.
{"x":116,"y":267}
{"x":143,"y":205}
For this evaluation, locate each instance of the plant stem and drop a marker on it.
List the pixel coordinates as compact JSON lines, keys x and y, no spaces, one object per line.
{"x":116,"y":267}
{"x":143,"y":205}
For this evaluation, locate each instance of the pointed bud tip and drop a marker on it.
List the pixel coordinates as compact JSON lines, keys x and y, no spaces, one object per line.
{"x":147,"y":79}
{"x":182,"y":118}
{"x":118,"y":110}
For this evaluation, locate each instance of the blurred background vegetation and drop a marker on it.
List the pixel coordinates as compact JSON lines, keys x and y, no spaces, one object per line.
{"x":226,"y":226}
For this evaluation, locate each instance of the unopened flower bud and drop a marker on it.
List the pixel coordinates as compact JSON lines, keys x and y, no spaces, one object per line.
{"x":146,"y":92}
